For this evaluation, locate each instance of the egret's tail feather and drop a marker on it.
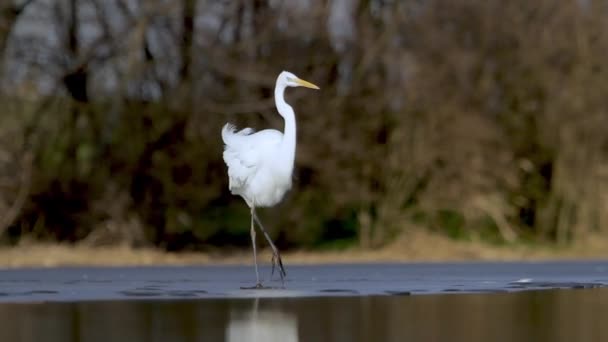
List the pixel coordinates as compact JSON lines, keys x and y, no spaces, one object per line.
{"x":230,"y":131}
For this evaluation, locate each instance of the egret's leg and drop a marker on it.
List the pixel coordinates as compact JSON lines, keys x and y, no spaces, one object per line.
{"x":276,"y":257}
{"x":255,"y":258}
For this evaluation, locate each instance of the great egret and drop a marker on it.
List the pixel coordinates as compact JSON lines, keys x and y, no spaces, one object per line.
{"x":260,"y":165}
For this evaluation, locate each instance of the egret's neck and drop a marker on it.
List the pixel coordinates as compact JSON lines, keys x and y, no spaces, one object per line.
{"x":289,"y":134}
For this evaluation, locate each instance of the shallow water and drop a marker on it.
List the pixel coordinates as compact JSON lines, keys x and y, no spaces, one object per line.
{"x":137,"y":283}
{"x":552,"y":315}
{"x":555,"y":301}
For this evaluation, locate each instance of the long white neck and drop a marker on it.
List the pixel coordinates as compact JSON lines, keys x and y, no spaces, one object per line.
{"x":288,"y":145}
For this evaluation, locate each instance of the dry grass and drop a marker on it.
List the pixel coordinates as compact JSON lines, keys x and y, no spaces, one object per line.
{"x":417,"y":246}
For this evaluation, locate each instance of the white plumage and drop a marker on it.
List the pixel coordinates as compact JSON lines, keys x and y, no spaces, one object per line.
{"x":255,"y":171}
{"x":260,"y":164}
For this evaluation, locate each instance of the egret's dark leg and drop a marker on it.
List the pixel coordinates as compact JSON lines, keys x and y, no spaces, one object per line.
{"x":276,"y":257}
{"x":255,"y":258}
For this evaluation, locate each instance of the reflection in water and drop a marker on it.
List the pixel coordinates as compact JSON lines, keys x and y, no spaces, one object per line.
{"x":563,"y":315}
{"x":262,"y":325}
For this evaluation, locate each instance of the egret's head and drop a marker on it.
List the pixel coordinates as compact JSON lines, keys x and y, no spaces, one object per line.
{"x":291,"y":80}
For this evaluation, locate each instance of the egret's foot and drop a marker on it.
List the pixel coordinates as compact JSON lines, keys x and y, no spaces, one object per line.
{"x":255,"y":287}
{"x":278,"y":263}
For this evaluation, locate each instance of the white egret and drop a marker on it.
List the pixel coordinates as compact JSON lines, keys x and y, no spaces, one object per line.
{"x":260,"y":165}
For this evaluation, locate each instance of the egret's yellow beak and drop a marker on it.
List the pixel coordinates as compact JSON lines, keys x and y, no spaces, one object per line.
{"x":306,"y":84}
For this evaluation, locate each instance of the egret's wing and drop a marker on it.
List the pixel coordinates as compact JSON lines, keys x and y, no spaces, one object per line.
{"x":245,"y":151}
{"x":240,"y":167}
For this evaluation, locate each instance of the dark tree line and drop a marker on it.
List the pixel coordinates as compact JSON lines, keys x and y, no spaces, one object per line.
{"x":477,"y":119}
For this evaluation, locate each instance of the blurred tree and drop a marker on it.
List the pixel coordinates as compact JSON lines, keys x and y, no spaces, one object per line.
{"x":477,"y":119}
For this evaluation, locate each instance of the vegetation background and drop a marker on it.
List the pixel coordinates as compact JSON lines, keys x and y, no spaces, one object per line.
{"x":476,"y":120}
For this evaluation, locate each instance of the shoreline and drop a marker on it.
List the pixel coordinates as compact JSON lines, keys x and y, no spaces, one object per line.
{"x":415,"y":247}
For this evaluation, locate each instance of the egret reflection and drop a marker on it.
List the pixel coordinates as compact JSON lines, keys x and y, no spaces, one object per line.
{"x":262,"y":325}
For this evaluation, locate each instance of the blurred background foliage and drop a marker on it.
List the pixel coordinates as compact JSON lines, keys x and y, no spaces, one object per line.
{"x":475,"y":119}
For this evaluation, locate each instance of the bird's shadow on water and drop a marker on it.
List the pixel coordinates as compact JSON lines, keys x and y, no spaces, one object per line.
{"x":158,"y":291}
{"x":262,"y":288}
{"x":339,"y":291}
{"x":29,"y":293}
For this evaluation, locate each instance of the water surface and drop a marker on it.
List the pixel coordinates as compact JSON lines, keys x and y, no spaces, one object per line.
{"x":553,"y":315}
{"x":542,"y":301}
{"x":198,"y":282}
